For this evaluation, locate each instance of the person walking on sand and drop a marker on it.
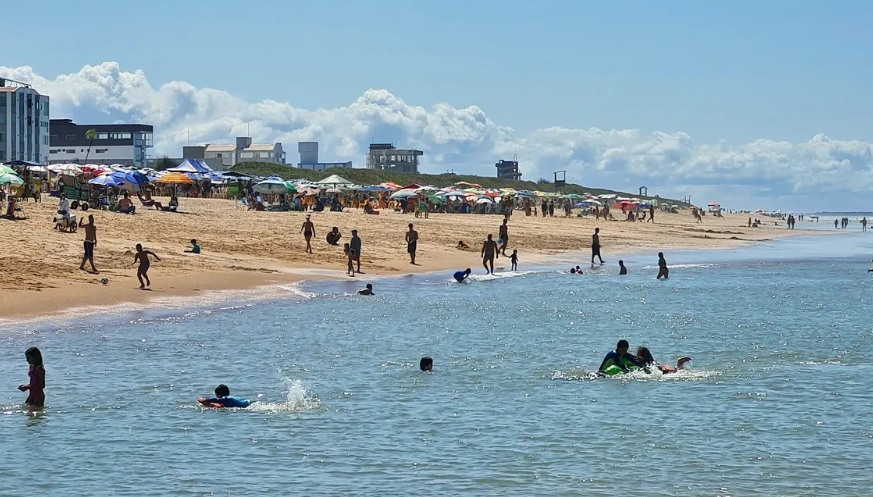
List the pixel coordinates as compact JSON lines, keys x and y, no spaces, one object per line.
{"x":595,"y":246}
{"x":663,"y":272}
{"x":411,"y":243}
{"x":651,"y":214}
{"x":503,"y":236}
{"x":355,"y":244}
{"x":142,"y":273}
{"x":350,"y":260}
{"x":36,"y":372}
{"x":489,"y":252}
{"x":308,"y":230}
{"x":90,"y":242}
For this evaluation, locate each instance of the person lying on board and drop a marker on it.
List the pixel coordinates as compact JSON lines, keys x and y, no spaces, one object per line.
{"x":223,"y":399}
{"x":645,"y":357}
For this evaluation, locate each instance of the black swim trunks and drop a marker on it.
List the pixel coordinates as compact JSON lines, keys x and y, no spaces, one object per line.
{"x":410,"y":247}
{"x":89,"y":249}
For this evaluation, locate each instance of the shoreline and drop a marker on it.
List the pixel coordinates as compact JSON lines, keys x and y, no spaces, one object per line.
{"x":253,"y":251}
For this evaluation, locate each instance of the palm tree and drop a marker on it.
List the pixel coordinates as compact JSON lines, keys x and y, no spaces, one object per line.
{"x":90,"y":134}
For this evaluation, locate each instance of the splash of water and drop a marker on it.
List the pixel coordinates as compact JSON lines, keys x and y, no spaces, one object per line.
{"x":297,"y":399}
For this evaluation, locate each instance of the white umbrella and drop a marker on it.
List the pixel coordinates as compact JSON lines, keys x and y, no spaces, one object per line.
{"x":333,"y":190}
{"x":484,"y":200}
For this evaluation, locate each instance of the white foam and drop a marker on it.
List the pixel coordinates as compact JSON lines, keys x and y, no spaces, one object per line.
{"x":297,"y":399}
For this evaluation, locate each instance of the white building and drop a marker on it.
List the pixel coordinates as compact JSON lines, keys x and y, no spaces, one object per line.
{"x":24,"y":123}
{"x":243,"y":151}
{"x":126,"y":144}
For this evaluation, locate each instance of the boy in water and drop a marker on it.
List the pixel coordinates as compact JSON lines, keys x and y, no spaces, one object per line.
{"x":619,"y":358}
{"x":223,"y":399}
{"x":663,"y":271}
{"x":514,"y":260}
{"x":621,"y":269}
{"x":460,"y":276}
{"x":367,"y":290}
{"x":142,"y":256}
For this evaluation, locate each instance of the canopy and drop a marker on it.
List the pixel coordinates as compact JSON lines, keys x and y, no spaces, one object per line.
{"x":335,"y":180}
{"x":271,"y":186}
{"x":10,"y":179}
{"x":106,"y":180}
{"x":178,"y":178}
{"x":191,"y":166}
{"x":6,"y":170}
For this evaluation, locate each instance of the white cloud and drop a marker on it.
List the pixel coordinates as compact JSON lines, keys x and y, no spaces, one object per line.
{"x":820,"y":173}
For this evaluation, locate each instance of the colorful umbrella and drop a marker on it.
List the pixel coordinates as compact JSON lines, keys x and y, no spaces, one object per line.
{"x":10,"y":179}
{"x":106,"y":180}
{"x":271,"y":186}
{"x":177,"y":178}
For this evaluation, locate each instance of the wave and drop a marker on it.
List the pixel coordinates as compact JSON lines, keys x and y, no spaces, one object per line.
{"x":580,"y":374}
{"x":501,"y":275}
{"x":296,"y":290}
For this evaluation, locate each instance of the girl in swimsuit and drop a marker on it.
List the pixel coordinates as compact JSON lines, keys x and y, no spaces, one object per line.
{"x":142,"y":256}
{"x":644,"y":355}
{"x":308,"y":230}
{"x":36,"y":372}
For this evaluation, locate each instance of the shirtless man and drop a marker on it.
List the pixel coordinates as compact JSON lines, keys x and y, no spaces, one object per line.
{"x":142,"y":256}
{"x":489,"y":252}
{"x":411,"y":243}
{"x":90,"y":242}
{"x":308,"y":230}
{"x":595,"y":246}
{"x":504,"y":235}
{"x":663,"y":271}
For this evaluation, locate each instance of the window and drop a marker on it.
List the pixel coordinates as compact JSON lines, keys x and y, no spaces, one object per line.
{"x":71,"y":137}
{"x":54,"y":138}
{"x":102,"y":136}
{"x":54,"y":151}
{"x":70,"y":150}
{"x":217,"y":156}
{"x":264,"y":155}
{"x":45,"y":140}
{"x":100,"y":150}
{"x":247,"y":155}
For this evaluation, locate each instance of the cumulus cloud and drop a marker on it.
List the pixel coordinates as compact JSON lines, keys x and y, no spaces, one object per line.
{"x":821,"y":173}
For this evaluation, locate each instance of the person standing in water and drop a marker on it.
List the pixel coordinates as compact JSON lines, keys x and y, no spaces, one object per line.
{"x":36,"y":372}
{"x":514,"y":260}
{"x":90,"y":242}
{"x":489,"y":252}
{"x":595,"y":246}
{"x":503,"y":235}
{"x":355,"y":245}
{"x":621,"y":269}
{"x":308,"y":230}
{"x":663,"y":272}
{"x":142,"y":256}
{"x":411,"y":243}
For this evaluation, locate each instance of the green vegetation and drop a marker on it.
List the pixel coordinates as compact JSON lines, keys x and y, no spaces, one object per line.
{"x":375,"y":177}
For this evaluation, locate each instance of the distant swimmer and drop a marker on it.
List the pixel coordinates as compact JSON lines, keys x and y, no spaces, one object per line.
{"x":619,"y":361}
{"x":426,"y":364}
{"x":367,"y":290}
{"x":578,"y":270}
{"x":663,"y":271}
{"x":460,"y":276}
{"x":621,"y":269}
{"x":645,"y":357}
{"x":514,"y":260}
{"x":223,"y":399}
{"x":871,"y":268}
{"x":489,"y":252}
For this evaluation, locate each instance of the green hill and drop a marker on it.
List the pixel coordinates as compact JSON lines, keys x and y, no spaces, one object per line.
{"x":375,"y":177}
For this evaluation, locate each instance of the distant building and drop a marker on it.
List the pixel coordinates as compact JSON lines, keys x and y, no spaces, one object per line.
{"x":309,"y":158}
{"x":386,"y":157}
{"x":225,"y":156}
{"x":508,"y":169}
{"x":126,"y":144}
{"x":24,"y":123}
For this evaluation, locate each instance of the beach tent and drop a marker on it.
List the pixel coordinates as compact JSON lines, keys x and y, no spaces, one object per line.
{"x":335,"y":181}
{"x":191,"y":166}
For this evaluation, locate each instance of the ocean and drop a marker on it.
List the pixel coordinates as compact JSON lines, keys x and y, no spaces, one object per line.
{"x":777,"y":402}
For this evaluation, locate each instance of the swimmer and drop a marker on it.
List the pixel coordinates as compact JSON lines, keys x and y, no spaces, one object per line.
{"x":663,"y":271}
{"x":426,"y":364}
{"x":367,"y":290}
{"x":36,"y":371}
{"x":644,"y":356}
{"x":460,"y":276}
{"x":619,"y":361}
{"x":223,"y":399}
{"x":621,"y":269}
{"x":578,"y":270}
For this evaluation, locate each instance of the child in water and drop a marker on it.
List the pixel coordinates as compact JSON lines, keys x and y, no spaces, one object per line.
{"x":223,"y":399}
{"x":514,"y":259}
{"x":36,"y":372}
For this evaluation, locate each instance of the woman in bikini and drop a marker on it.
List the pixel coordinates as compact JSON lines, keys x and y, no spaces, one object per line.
{"x":308,"y":230}
{"x":142,"y":256}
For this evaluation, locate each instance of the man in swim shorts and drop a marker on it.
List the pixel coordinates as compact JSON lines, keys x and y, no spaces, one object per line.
{"x":460,"y":276}
{"x":90,"y":242}
{"x":595,"y":246}
{"x":411,"y":243}
{"x":308,"y":230}
{"x":619,"y":358}
{"x":489,"y":252}
{"x":503,"y":235}
{"x":223,"y":399}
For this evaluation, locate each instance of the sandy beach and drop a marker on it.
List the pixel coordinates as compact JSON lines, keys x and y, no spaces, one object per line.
{"x":40,"y":276}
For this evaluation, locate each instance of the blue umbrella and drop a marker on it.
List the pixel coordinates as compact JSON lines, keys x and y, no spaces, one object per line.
{"x":106,"y":180}
{"x":127,"y":179}
{"x":581,"y":204}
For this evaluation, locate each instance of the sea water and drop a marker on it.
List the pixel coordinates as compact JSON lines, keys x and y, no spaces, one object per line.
{"x":778,"y":401}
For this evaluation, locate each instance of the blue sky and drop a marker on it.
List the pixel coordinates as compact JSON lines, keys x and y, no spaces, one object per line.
{"x":724,"y":73}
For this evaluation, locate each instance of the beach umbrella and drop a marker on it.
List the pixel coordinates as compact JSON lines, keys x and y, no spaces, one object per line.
{"x":593,"y":201}
{"x":106,"y":180}
{"x":176,"y":178}
{"x":333,"y":190}
{"x":581,"y":204}
{"x":290,"y":186}
{"x":10,"y":179}
{"x":7,"y":170}
{"x":403,"y":194}
{"x":271,"y":186}
{"x":70,"y":169}
{"x":484,"y":200}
